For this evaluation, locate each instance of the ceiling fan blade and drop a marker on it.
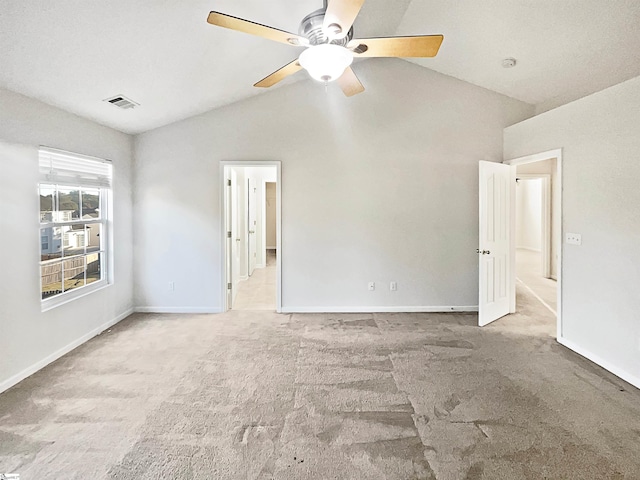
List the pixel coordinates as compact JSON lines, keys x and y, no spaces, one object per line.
{"x":281,"y":74}
{"x":349,"y":83}
{"x":342,"y":13}
{"x":246,"y":26}
{"x":418,"y":46}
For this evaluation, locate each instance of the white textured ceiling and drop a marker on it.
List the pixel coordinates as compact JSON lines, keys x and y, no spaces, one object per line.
{"x":160,"y":53}
{"x":566,"y":49}
{"x":163,"y":54}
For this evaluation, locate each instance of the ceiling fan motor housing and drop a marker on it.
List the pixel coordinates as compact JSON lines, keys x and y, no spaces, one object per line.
{"x":311,"y":28}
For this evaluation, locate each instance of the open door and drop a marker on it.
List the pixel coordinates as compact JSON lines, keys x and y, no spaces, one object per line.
{"x":494,"y":243}
{"x":251,"y":215}
{"x":228,"y":199}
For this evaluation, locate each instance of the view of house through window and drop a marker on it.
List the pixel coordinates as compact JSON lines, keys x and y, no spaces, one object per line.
{"x":72,"y":225}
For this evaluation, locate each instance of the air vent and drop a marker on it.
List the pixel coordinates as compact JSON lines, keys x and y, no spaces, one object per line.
{"x":122,"y":102}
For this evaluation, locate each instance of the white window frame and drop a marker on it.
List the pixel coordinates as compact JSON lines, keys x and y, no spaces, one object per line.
{"x":64,"y":179}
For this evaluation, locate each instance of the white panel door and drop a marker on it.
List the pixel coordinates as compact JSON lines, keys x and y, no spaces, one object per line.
{"x":236,"y":251}
{"x":228,"y":233}
{"x":252,"y":243}
{"x":494,"y":242}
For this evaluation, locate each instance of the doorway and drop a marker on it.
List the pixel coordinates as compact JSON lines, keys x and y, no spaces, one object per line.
{"x":536,"y":238}
{"x":520,"y":215}
{"x":251,"y":277}
{"x":540,"y":273}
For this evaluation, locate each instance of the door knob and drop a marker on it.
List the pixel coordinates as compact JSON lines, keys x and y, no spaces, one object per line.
{"x":477,"y":250}
{"x":486,"y":252}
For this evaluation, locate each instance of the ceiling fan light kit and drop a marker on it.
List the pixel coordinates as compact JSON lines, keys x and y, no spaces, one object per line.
{"x":327,"y":36}
{"x":326,"y":62}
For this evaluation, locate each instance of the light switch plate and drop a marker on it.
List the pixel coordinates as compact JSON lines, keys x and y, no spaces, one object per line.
{"x":573,"y":238}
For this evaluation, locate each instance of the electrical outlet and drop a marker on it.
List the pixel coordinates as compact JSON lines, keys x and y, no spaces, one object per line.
{"x":172,"y":286}
{"x":393,"y":286}
{"x":372,"y":286}
{"x":573,"y":238}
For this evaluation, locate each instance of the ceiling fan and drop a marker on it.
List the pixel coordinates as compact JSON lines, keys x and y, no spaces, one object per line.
{"x":327,"y":36}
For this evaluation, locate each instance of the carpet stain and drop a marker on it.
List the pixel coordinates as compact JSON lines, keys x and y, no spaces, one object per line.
{"x":475,"y":472}
{"x":395,"y":419}
{"x":409,"y":449}
{"x":377,"y":385}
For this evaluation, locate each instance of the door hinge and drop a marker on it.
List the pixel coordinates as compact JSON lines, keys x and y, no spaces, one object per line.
{"x":228,"y":286}
{"x":228,"y":234}
{"x":229,"y":183}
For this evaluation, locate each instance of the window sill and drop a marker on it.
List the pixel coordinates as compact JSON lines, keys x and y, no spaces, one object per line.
{"x":54,"y":302}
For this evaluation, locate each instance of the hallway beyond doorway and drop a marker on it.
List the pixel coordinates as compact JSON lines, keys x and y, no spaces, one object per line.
{"x":258,"y":292}
{"x":529,"y":274}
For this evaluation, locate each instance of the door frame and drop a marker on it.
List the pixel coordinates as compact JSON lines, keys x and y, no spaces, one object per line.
{"x":223,"y":231}
{"x":264,"y":216}
{"x":549,"y":154}
{"x":546,"y":218}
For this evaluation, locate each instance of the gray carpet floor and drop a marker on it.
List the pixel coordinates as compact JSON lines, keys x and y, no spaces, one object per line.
{"x":256,"y":395}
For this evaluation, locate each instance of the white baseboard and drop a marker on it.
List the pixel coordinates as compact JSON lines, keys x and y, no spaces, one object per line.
{"x":411,"y":309}
{"x":618,"y":372}
{"x":149,"y":309}
{"x":27,"y":372}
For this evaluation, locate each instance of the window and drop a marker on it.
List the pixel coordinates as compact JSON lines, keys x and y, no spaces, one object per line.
{"x":74,"y":195}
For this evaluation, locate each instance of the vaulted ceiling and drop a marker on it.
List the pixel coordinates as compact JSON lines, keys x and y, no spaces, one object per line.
{"x":163,"y":54}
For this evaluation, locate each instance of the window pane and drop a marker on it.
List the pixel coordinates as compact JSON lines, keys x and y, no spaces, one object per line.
{"x":73,"y":240}
{"x":94,"y":268}
{"x":73,"y":270}
{"x":51,"y":274}
{"x":90,"y":203}
{"x":47,"y":202}
{"x":93,"y":233}
{"x":50,"y":243}
{"x":68,"y":204}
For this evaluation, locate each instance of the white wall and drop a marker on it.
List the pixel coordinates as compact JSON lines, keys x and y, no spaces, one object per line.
{"x":378,"y":187}
{"x":30,"y":338}
{"x":600,"y":140}
{"x":529,"y":214}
